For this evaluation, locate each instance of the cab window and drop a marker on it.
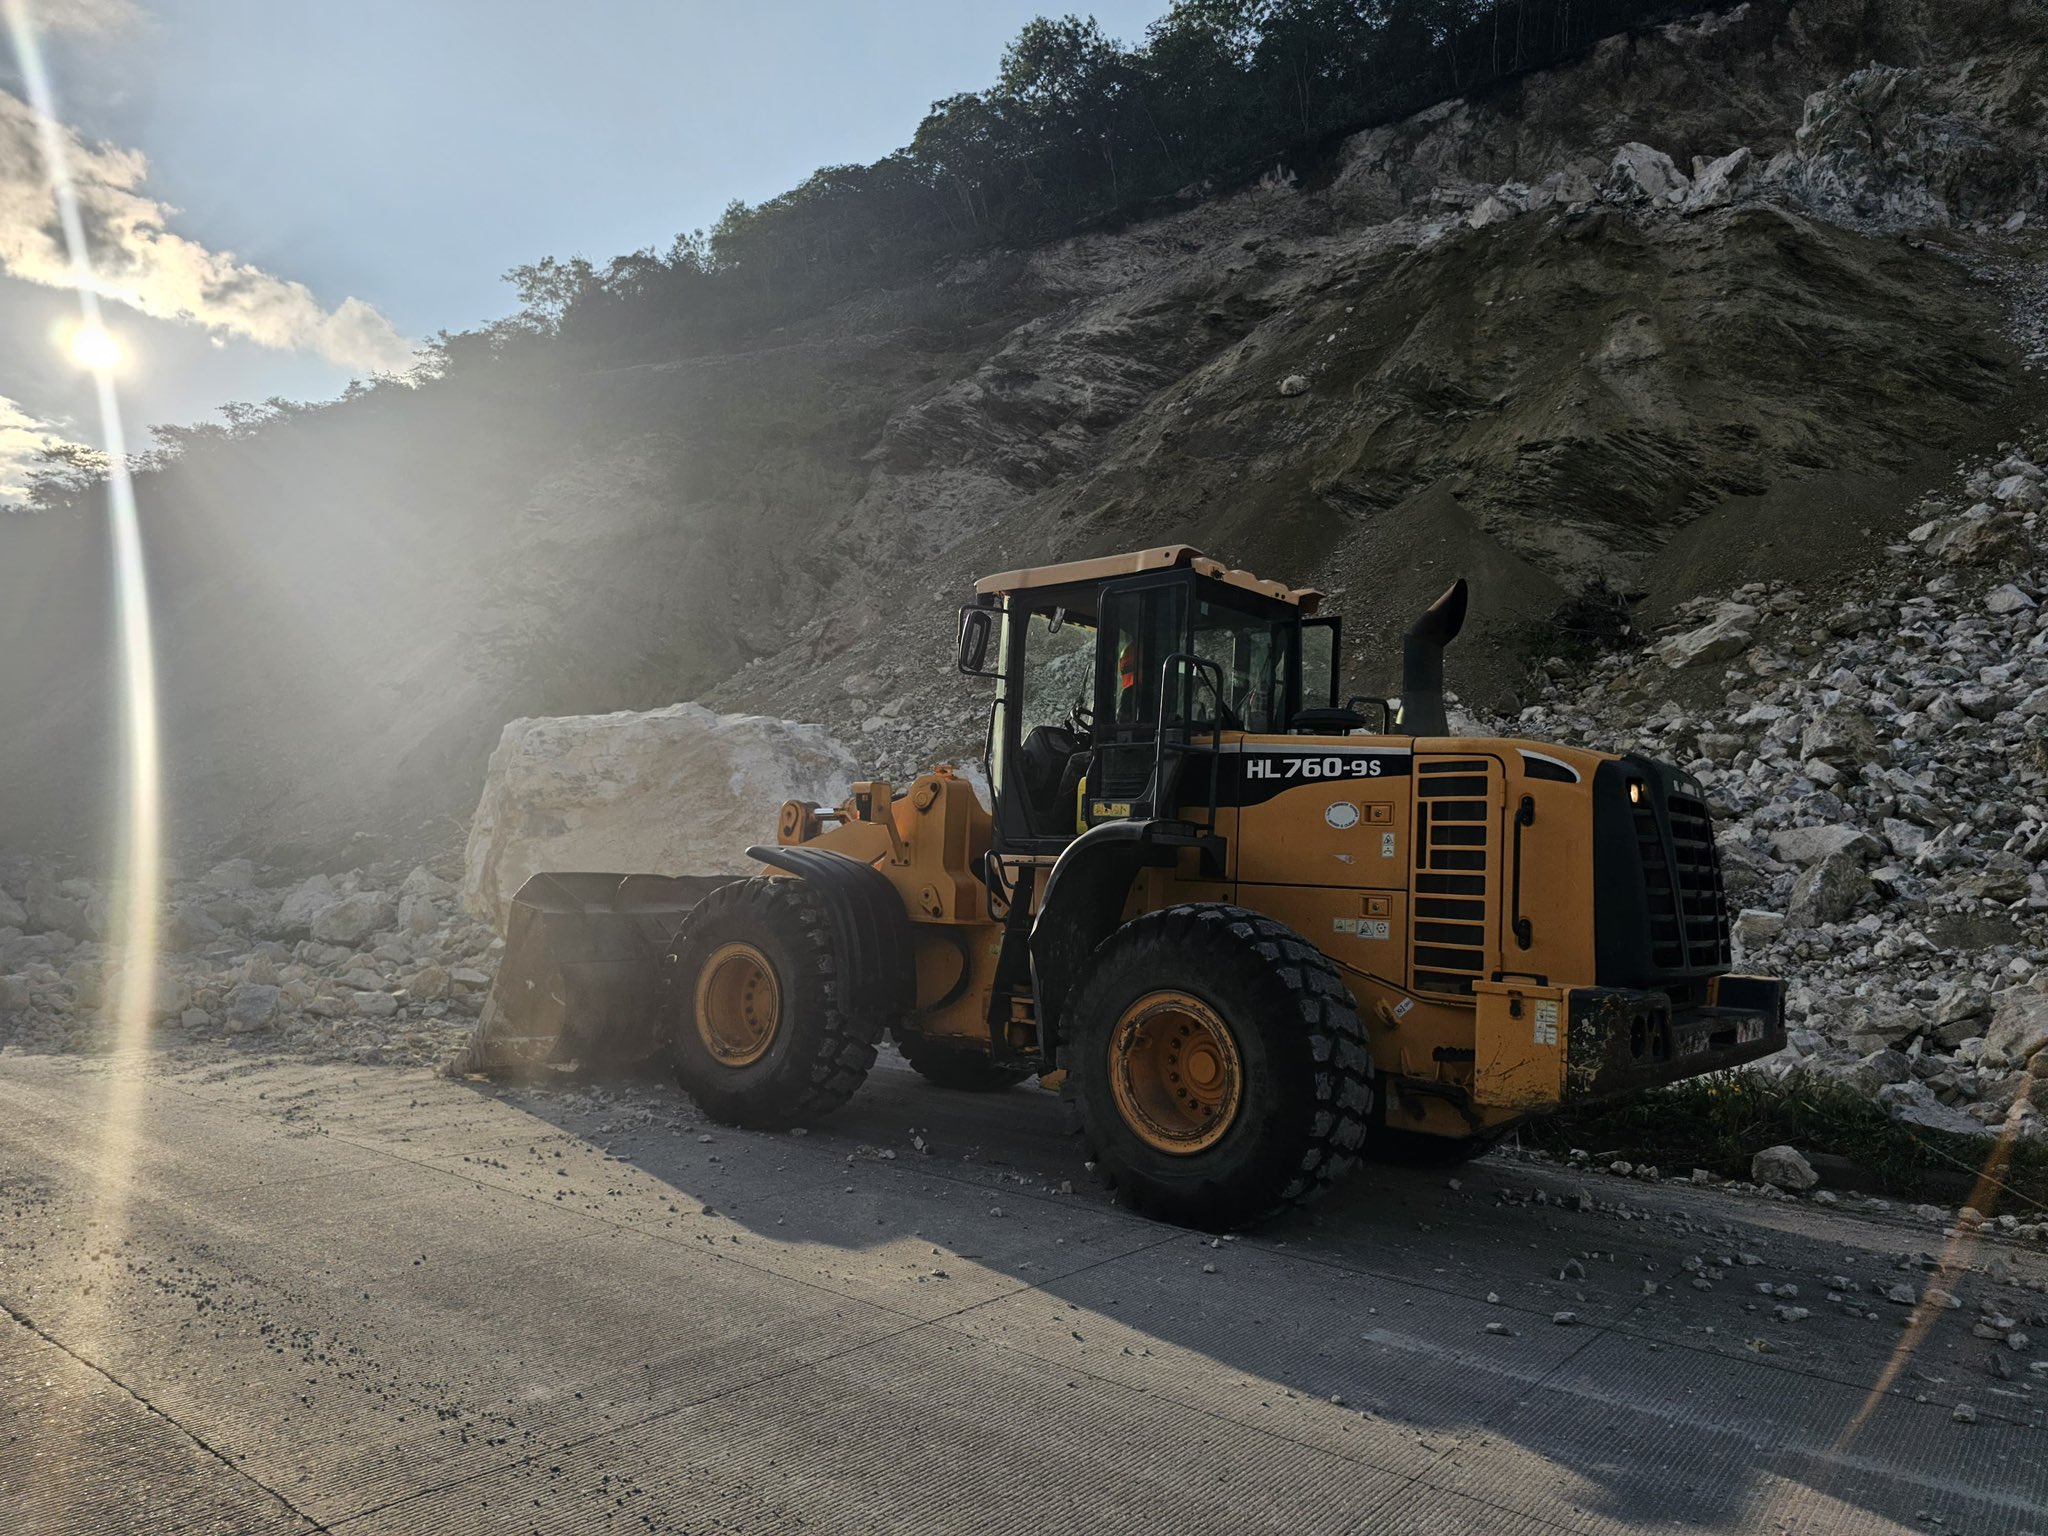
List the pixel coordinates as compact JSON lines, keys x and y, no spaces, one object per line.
{"x":1059,"y":669}
{"x":1252,"y":654}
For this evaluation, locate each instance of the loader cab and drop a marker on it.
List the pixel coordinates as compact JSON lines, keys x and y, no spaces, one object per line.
{"x":1110,"y":671}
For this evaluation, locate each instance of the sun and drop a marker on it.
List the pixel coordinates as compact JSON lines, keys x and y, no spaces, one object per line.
{"x":93,"y":347}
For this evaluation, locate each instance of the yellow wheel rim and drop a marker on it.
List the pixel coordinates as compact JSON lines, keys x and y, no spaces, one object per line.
{"x":1175,"y":1072}
{"x":739,"y":1004}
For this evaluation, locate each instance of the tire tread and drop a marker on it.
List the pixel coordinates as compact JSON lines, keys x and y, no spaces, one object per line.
{"x":845,"y":1050}
{"x":1339,"y":1046}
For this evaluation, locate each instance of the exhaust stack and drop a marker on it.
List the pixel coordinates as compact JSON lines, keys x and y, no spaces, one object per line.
{"x":1422,"y":663}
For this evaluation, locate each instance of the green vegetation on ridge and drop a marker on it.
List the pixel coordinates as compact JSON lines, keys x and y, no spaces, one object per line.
{"x":1078,"y":129}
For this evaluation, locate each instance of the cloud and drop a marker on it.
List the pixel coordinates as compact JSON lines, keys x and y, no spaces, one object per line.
{"x":22,"y":441}
{"x":140,"y":262}
{"x":88,"y":16}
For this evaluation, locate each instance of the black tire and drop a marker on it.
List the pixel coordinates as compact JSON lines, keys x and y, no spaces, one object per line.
{"x":946,"y":1065}
{"x":1306,"y":1079}
{"x":816,"y":1056}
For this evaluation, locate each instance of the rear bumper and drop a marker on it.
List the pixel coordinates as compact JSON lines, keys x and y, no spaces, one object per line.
{"x":1621,"y":1039}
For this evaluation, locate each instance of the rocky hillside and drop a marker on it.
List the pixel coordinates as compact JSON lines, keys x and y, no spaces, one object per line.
{"x":1876,"y":752}
{"x":1875,"y":747}
{"x":1722,"y":301}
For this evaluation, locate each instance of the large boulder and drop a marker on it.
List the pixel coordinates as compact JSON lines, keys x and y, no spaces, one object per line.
{"x":353,"y":918}
{"x":1912,"y":146}
{"x":1727,"y":634}
{"x":1839,"y":734}
{"x":294,"y":916}
{"x":676,"y":791}
{"x":1877,"y":1071}
{"x":2019,"y":1024}
{"x":163,"y":993}
{"x":1640,"y":174}
{"x":1783,"y":1166}
{"x":1715,"y":183}
{"x":1806,"y":846}
{"x":1875,"y":1023}
{"x":50,"y":910}
{"x":1829,"y":892}
{"x":251,"y":1007}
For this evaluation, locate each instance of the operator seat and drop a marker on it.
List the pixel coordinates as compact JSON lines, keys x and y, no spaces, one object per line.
{"x":1053,"y":759}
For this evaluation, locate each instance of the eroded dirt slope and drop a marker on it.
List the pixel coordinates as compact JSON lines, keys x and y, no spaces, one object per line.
{"x":1543,"y":340}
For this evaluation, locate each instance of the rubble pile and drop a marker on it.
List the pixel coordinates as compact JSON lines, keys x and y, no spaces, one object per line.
{"x":1878,"y":766}
{"x":1884,"y":149}
{"x":375,"y":965}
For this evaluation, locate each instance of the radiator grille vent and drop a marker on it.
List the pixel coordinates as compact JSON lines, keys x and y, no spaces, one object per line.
{"x":1453,"y":863}
{"x":1688,"y":913}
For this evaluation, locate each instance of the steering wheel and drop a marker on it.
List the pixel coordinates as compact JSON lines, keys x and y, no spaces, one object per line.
{"x":1081,"y":720}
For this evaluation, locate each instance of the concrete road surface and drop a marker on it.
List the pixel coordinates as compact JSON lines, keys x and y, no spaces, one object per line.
{"x":264,"y":1296}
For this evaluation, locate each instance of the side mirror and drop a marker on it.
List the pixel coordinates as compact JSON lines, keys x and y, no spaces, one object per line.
{"x":977,"y":631}
{"x":1358,"y":703}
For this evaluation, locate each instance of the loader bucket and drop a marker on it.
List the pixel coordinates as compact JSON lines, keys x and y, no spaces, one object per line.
{"x":581,"y":978}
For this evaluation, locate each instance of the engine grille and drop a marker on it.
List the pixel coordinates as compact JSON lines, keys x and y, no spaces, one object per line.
{"x":1682,"y":879}
{"x":1454,"y":799}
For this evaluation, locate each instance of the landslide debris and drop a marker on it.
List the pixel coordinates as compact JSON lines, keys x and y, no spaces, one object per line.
{"x":1875,"y":750}
{"x":1698,"y":308}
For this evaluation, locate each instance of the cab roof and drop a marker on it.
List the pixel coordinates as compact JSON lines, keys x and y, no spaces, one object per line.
{"x":1166,"y":557}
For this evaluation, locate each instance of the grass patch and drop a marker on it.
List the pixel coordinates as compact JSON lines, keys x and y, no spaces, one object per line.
{"x":1719,"y":1123}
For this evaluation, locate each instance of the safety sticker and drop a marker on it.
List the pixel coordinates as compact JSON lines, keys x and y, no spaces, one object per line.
{"x":1386,"y":845}
{"x":1401,"y":1008}
{"x":1363,"y":927}
{"x":1546,"y":1021}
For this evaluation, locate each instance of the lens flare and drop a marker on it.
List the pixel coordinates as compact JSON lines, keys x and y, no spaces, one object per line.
{"x":138,"y":880}
{"x":94,"y":349}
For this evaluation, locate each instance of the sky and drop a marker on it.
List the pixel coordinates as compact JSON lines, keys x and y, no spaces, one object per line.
{"x":283,"y":196}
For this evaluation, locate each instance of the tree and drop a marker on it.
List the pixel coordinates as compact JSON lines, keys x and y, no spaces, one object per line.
{"x":67,"y":472}
{"x":548,"y":287}
{"x":1075,"y":127}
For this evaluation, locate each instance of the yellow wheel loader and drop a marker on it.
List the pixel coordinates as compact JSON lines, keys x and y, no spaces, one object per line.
{"x":1249,"y":928}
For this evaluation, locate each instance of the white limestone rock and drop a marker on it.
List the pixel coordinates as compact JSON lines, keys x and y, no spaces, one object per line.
{"x":1725,"y":635}
{"x":1784,"y":1167}
{"x":674,"y":791}
{"x":1639,"y":174}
